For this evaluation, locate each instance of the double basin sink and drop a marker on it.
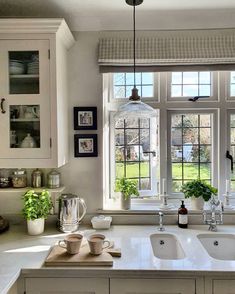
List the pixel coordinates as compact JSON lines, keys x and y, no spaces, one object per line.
{"x":218,"y":246}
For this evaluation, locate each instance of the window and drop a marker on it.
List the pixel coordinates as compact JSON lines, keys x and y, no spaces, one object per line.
{"x":135,"y":157}
{"x":123,"y":84}
{"x":190,"y":138}
{"x":191,"y":148}
{"x":190,"y":84}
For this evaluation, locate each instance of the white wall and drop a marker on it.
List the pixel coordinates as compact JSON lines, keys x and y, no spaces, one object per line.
{"x":83,"y":176}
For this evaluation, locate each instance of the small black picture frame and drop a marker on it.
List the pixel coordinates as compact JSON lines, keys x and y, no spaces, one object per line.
{"x":85,"y":145}
{"x":85,"y":118}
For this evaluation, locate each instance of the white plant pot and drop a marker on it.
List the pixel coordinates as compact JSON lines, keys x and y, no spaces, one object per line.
{"x":197,"y":203}
{"x":125,"y":203}
{"x":35,"y":227}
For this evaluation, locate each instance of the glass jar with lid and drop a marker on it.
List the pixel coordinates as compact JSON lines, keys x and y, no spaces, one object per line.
{"x":19,"y":178}
{"x":53,"y":179}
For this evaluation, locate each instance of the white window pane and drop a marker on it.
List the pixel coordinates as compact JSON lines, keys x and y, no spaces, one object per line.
{"x":232,"y":76}
{"x":130,"y":79}
{"x":176,"y":91}
{"x":204,"y":77}
{"x":119,"y":79}
{"x":191,"y":171}
{"x":147,"y":78}
{"x":138,"y":78}
{"x":232,"y":120}
{"x":205,"y":90}
{"x":205,"y":120}
{"x":190,"y":78}
{"x":119,"y":92}
{"x":147,"y":91}
{"x":128,"y":91}
{"x":176,"y":78}
{"x":232,"y":90}
{"x":190,"y":90}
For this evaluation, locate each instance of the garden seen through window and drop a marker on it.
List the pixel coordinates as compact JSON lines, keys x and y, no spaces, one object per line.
{"x":190,"y":139}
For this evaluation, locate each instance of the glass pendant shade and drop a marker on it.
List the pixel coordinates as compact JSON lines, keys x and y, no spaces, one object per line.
{"x":136,"y":109}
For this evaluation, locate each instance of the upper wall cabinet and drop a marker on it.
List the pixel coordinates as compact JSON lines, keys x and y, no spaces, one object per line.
{"x":33,"y":92}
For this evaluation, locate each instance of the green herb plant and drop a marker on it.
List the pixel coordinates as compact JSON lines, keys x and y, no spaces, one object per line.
{"x":127,"y":187}
{"x":197,"y":188}
{"x":36,"y":204}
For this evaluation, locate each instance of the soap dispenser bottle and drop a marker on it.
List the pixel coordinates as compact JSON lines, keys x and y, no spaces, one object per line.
{"x":183,"y":216}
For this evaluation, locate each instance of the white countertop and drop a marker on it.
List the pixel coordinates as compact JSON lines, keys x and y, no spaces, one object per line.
{"x":19,"y":251}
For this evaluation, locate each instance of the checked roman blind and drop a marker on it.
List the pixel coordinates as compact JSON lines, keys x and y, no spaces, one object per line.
{"x":170,"y":50}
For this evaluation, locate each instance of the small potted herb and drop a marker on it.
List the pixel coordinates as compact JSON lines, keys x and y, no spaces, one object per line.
{"x":198,"y":191}
{"x":127,"y":188}
{"x":37,"y":206}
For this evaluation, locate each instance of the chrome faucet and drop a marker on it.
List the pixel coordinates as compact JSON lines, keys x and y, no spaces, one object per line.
{"x":214,"y":220}
{"x":161,"y":228}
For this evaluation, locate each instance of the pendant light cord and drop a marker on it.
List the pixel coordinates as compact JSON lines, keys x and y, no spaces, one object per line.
{"x":134,"y":42}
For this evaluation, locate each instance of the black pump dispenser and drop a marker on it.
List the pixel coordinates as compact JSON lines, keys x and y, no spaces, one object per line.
{"x":183,"y":216}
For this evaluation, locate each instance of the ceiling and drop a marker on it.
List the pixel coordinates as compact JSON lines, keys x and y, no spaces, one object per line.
{"x":83,"y":15}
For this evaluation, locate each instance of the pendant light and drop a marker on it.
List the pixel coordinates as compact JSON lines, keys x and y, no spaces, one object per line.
{"x":135,"y":107}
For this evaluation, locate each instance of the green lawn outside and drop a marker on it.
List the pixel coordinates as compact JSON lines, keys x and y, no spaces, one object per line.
{"x":190,"y":170}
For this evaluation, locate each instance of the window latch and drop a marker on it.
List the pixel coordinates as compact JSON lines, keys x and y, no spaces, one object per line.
{"x":194,"y":99}
{"x":229,"y":156}
{"x":150,"y":152}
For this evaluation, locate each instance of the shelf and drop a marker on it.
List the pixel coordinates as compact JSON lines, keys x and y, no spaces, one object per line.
{"x":22,"y":190}
{"x":24,"y":119}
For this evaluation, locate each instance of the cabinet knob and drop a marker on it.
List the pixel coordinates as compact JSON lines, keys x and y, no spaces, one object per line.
{"x":2,"y":105}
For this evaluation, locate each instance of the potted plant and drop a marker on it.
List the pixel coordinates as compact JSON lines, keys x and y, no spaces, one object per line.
{"x":127,"y":188}
{"x":198,"y":191}
{"x":37,"y":206}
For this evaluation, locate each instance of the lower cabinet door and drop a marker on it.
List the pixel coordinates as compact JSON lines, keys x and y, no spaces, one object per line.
{"x":223,"y":287}
{"x":153,"y":286}
{"x":66,"y":286}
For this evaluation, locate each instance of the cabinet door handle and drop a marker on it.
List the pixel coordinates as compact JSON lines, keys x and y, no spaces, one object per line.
{"x":2,"y":105}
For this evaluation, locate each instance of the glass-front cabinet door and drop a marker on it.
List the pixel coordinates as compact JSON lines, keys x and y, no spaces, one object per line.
{"x":25,"y":99}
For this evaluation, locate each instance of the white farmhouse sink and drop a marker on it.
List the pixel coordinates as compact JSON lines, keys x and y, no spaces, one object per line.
{"x":219,"y":246}
{"x":166,"y":246}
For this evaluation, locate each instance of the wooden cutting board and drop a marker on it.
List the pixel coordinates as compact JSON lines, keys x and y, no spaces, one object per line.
{"x":59,"y":257}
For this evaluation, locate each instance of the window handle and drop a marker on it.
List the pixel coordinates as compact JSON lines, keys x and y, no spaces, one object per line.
{"x":2,"y":105}
{"x":150,"y":152}
{"x":229,"y":156}
{"x":194,"y":99}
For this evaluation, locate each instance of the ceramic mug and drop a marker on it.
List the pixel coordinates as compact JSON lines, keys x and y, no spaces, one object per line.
{"x":97,"y":243}
{"x":71,"y":243}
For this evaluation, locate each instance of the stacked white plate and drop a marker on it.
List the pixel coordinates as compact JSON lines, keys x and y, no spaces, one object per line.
{"x":16,"y":67}
{"x":33,"y":67}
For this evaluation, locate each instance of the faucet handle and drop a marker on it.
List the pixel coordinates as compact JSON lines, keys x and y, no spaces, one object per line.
{"x":214,"y":202}
{"x":161,"y":213}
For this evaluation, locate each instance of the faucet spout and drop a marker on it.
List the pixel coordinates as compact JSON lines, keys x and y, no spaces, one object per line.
{"x":161,"y":228}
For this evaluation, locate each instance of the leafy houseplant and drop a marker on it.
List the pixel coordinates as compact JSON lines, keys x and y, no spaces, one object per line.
{"x":37,"y":206}
{"x":127,"y":188}
{"x":198,"y":190}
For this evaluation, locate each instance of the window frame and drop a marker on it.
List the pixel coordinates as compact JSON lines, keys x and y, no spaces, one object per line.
{"x":214,"y":139}
{"x":143,"y":193}
{"x":213,"y":97}
{"x":221,"y":106}
{"x":156,"y":90}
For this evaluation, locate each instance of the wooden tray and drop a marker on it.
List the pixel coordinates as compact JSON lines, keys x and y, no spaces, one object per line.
{"x":59,"y":257}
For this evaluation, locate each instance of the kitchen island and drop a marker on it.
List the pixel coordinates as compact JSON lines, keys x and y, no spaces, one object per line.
{"x":22,"y":257}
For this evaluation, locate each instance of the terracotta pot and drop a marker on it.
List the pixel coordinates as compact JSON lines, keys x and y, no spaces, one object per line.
{"x":197,"y":203}
{"x":35,"y":227}
{"x":125,"y":203}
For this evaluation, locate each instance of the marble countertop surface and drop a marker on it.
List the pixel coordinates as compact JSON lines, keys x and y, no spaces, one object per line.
{"x":21,"y":253}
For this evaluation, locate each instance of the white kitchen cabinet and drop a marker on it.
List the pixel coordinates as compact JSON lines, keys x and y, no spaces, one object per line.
{"x":153,"y":286}
{"x":220,"y":286}
{"x":33,"y":92}
{"x":66,"y":286}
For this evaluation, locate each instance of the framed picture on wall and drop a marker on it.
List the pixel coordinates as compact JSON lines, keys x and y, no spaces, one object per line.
{"x":85,"y":118}
{"x":85,"y":145}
